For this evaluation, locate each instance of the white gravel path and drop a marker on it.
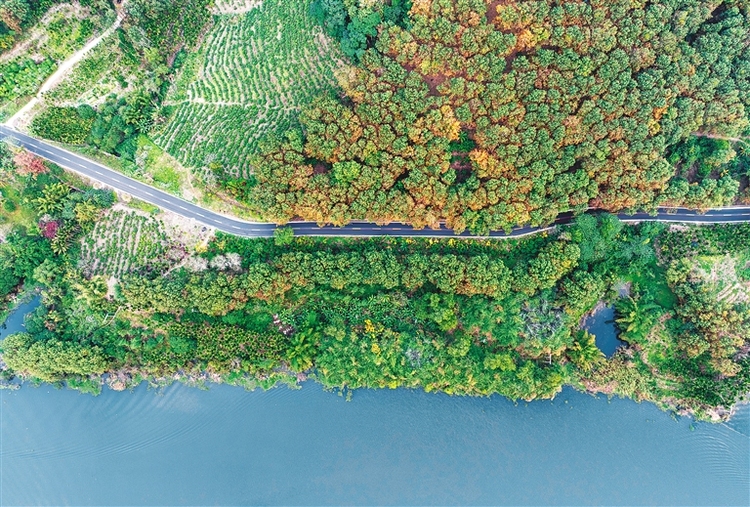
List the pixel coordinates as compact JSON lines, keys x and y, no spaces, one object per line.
{"x":61,"y":71}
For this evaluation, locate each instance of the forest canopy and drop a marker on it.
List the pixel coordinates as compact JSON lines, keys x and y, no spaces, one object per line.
{"x":491,"y":114}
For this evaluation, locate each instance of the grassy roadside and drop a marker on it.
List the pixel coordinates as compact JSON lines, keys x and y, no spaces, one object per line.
{"x":164,"y":173}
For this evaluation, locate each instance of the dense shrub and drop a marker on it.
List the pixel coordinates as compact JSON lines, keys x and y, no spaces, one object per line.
{"x":62,"y":124}
{"x":23,"y":76}
{"x":51,"y":360}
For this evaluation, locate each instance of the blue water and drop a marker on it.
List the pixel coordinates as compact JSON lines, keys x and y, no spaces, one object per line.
{"x":602,"y":325}
{"x":226,"y":446}
{"x":15,"y":321}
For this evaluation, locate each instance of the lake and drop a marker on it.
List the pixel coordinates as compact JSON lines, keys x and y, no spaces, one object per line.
{"x":226,"y":446}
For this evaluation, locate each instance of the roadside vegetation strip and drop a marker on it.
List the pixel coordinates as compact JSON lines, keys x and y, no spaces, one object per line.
{"x":232,"y":225}
{"x":122,"y":183}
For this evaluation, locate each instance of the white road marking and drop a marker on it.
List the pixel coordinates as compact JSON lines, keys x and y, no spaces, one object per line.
{"x":112,"y":179}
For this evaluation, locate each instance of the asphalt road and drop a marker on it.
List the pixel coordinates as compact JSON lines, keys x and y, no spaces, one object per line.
{"x":119,"y":182}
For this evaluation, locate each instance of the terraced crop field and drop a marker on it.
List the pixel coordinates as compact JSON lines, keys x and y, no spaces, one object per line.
{"x":126,"y":242}
{"x":257,"y":66}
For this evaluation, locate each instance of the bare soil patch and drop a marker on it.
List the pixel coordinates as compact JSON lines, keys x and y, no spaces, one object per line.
{"x":433,"y":82}
{"x":235,"y":6}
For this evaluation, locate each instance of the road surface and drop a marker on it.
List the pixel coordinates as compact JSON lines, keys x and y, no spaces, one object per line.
{"x":117,"y":181}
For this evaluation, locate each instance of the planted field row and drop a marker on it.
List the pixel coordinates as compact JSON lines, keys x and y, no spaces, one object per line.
{"x":254,"y":72}
{"x":235,"y":6}
{"x":260,"y":57}
{"x":200,"y":135}
{"x":126,"y":242}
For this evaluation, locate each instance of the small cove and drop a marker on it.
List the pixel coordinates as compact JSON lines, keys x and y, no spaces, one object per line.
{"x":602,"y":325}
{"x":15,"y":321}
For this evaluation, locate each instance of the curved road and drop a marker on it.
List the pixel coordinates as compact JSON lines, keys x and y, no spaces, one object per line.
{"x":117,"y":181}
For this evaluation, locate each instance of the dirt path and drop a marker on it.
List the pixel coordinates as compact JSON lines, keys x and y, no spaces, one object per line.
{"x":716,"y":136}
{"x":62,"y":70}
{"x":201,"y":100}
{"x":35,"y":33}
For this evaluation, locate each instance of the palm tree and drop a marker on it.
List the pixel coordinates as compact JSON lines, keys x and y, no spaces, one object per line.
{"x":51,"y":200}
{"x":86,"y":212}
{"x":91,"y":291}
{"x":303,"y":349}
{"x":584,"y":353}
{"x":636,"y":317}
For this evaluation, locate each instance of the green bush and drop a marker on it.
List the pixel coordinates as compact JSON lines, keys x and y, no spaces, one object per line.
{"x":22,"y":77}
{"x":63,"y":124}
{"x":9,"y":206}
{"x":51,"y":360}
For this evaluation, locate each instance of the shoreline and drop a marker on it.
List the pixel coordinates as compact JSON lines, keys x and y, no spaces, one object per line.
{"x":120,"y":381}
{"x":21,"y":298}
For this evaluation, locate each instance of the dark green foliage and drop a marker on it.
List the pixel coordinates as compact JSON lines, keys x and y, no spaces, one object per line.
{"x":710,"y":326}
{"x":283,"y":236}
{"x":218,"y":345}
{"x":113,"y":128}
{"x":355,"y":24}
{"x":22,"y":78}
{"x":712,"y":240}
{"x":581,"y":291}
{"x":61,"y":213}
{"x":16,"y":15}
{"x":636,"y":316}
{"x":8,"y":279}
{"x":118,"y":123}
{"x":167,"y":25}
{"x":706,"y":387}
{"x":20,"y":254}
{"x":216,"y":293}
{"x":27,"y":251}
{"x":584,"y":352}
{"x":385,"y":313}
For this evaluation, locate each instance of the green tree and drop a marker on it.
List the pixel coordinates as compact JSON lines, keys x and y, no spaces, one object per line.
{"x":51,"y":360}
{"x":52,"y":199}
{"x":303,"y":349}
{"x":283,"y":236}
{"x":636,"y":317}
{"x":584,"y":353}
